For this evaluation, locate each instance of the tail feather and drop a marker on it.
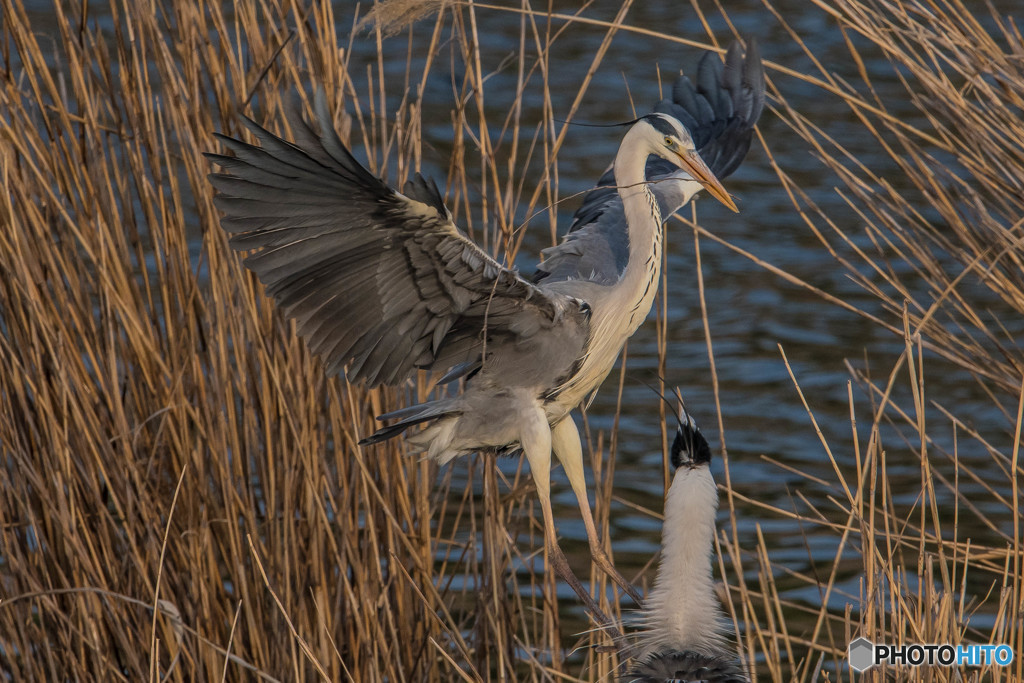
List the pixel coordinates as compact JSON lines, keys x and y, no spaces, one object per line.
{"x":407,"y":417}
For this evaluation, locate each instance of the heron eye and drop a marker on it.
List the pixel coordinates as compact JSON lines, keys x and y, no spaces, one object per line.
{"x":669,"y":141}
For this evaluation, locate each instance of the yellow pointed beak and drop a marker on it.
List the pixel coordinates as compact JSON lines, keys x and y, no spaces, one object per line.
{"x":695,"y":166}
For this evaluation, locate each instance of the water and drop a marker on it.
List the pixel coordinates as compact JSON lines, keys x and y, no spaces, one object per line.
{"x":751,"y":311}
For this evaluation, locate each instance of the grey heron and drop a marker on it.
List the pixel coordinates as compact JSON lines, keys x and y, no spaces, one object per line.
{"x":382,"y":283}
{"x":682,"y":621}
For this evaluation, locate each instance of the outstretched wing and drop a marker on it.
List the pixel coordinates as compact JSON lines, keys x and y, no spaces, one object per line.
{"x":719,"y":112}
{"x":377,"y":279}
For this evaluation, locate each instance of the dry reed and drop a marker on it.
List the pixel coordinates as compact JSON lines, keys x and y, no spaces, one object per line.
{"x":181,"y":495}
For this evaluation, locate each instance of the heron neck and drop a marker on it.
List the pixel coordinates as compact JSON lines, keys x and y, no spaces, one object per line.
{"x":631,"y":179}
{"x":639,"y":281}
{"x":682,"y":611}
{"x":619,"y":309}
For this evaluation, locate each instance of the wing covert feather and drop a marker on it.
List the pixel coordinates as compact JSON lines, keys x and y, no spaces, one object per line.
{"x":377,"y":280}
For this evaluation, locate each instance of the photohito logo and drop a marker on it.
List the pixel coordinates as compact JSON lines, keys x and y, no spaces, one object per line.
{"x":863,"y":654}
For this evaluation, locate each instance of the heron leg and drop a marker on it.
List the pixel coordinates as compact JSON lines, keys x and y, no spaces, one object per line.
{"x":536,"y":442}
{"x":565,"y":442}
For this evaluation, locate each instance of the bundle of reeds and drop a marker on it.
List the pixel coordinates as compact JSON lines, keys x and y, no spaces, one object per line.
{"x":181,"y":494}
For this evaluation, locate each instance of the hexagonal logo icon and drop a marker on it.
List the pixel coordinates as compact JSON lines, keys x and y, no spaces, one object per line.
{"x":859,"y":654}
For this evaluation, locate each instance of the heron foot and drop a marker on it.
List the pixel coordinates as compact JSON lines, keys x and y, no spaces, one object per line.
{"x":560,"y":564}
{"x":604,"y":563}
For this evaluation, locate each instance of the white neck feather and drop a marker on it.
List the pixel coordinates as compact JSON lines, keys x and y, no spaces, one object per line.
{"x":631,"y":179}
{"x":682,"y":611}
{"x":639,"y":282}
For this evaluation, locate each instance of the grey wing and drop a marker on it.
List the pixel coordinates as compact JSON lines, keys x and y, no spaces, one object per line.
{"x":685,"y":666}
{"x":720,"y":112}
{"x":598,"y":253}
{"x":376,"y":279}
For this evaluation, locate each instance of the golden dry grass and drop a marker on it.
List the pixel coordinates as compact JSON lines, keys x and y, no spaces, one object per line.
{"x":181,"y":496}
{"x":937,"y":249}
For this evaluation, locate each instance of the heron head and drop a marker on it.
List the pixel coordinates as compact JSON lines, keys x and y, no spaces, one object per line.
{"x":690,"y":448}
{"x":671,"y":141}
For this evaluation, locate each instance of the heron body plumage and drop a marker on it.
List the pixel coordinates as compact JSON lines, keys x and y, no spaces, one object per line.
{"x":686,"y":667}
{"x":682,"y":623}
{"x":681,"y":611}
{"x":632,"y":294}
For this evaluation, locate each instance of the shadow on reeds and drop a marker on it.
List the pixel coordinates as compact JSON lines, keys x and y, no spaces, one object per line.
{"x":182,"y":494}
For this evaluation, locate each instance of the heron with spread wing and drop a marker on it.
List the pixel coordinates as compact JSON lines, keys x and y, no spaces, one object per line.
{"x":382,"y":283}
